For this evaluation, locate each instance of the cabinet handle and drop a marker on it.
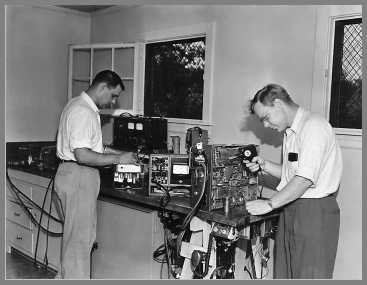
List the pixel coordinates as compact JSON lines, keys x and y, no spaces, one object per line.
{"x":16,"y":214}
{"x":19,"y":237}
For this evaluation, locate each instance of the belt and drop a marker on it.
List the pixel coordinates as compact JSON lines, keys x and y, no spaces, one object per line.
{"x":74,"y":161}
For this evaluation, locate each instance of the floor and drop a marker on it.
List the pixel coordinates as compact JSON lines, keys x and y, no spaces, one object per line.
{"x":20,"y":267}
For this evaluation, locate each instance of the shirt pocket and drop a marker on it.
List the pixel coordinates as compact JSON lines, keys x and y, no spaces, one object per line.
{"x":292,"y":167}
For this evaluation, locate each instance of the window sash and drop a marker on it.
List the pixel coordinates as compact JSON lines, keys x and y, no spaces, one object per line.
{"x":336,"y":83}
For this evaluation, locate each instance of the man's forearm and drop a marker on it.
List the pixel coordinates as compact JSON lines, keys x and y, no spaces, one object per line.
{"x":92,"y":158}
{"x":109,"y":150}
{"x":292,"y":191}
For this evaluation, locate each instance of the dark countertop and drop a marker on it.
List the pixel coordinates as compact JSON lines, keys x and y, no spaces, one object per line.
{"x":47,"y":173}
{"x":237,"y":217}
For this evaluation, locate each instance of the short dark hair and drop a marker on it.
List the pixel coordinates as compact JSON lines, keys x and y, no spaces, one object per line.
{"x":110,"y":77}
{"x":268,"y":94}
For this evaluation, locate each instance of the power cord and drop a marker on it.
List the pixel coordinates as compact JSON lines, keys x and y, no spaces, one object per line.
{"x":19,"y":193}
{"x":20,"y":202}
{"x":193,"y":211}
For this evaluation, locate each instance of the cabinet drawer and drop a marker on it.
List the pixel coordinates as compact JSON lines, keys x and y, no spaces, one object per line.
{"x":22,"y":186}
{"x":16,"y":213}
{"x":19,"y":237}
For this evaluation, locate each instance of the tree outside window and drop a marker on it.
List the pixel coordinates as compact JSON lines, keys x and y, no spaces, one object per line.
{"x":174,"y":82}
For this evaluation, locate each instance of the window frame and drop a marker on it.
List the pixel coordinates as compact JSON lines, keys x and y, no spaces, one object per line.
{"x":149,"y":64}
{"x":206,"y":30}
{"x":333,"y":20}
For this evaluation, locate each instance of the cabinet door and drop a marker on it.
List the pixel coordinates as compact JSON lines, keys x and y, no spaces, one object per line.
{"x":19,"y":237}
{"x":126,"y":240}
{"x":16,"y":214}
{"x":21,"y":233}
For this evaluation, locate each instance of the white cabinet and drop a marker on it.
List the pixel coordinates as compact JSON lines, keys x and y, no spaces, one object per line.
{"x":21,"y":232}
{"x":85,"y":61}
{"x":127,"y":237}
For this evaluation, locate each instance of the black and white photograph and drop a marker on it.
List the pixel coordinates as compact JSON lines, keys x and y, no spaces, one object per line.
{"x":183,"y":141}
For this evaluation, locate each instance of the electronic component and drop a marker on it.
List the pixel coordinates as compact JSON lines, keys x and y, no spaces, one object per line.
{"x":140,"y":134}
{"x":196,"y":141}
{"x":226,"y":177}
{"x":248,"y":153}
{"x":196,"y":137}
{"x":225,"y":231}
{"x":129,"y":176}
{"x":170,"y":171}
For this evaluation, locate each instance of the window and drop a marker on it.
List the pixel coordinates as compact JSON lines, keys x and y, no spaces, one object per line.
{"x":346,"y":85}
{"x":174,"y":78}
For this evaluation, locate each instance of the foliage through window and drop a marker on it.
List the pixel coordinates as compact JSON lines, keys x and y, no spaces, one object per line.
{"x":174,"y":82}
{"x":346,"y":85}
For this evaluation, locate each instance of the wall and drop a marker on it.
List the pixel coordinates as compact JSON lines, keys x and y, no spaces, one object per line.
{"x":255,"y":45}
{"x":37,"y":40}
{"x":349,"y":255}
{"x":249,"y":51}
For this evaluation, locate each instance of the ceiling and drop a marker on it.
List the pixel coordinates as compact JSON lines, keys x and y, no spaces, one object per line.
{"x":86,"y":8}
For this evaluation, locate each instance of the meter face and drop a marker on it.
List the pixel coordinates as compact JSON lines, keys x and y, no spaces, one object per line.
{"x":180,"y":169}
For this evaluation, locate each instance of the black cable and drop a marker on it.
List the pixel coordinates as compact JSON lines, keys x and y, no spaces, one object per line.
{"x":207,"y":258}
{"x":248,"y":271}
{"x":28,"y":212}
{"x":48,"y":224}
{"x":196,"y":206}
{"x":166,"y":197}
{"x":261,"y":173}
{"x":164,"y":249}
{"x":167,"y":254}
{"x":194,"y":210}
{"x":40,"y":221}
{"x":164,"y":201}
{"x":30,"y":201}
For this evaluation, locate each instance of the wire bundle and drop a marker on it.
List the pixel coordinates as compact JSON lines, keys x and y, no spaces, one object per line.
{"x":23,"y":200}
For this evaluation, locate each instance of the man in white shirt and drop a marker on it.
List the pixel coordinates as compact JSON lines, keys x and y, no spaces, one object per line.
{"x":77,"y":181}
{"x":308,"y":230}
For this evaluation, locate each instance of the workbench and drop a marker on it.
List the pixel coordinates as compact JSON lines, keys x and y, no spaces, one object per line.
{"x":129,"y":229}
{"x":237,"y":217}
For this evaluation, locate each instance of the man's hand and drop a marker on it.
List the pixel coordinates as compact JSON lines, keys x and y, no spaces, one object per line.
{"x":258,"y":207}
{"x":128,"y":158}
{"x":256,"y":163}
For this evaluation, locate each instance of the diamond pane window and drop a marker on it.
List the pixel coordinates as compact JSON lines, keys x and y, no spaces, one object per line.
{"x":346,"y":86}
{"x":174,"y":82}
